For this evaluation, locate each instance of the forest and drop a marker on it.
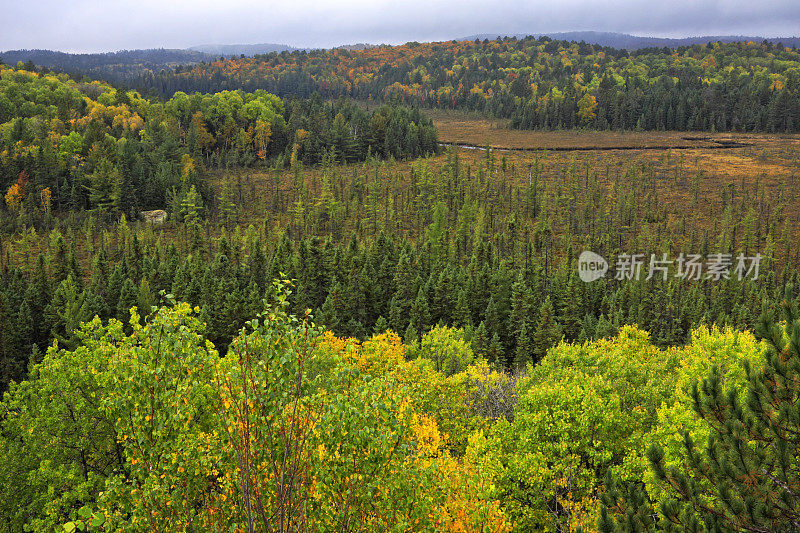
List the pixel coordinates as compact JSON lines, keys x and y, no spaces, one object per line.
{"x":537,"y":83}
{"x":344,"y":324}
{"x":93,"y":147}
{"x":113,"y":67}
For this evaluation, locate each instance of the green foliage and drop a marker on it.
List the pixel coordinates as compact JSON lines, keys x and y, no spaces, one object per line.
{"x":582,"y":411}
{"x":93,"y":147}
{"x":58,"y":443}
{"x":447,"y":349}
{"x":537,"y":83}
{"x":741,"y":474}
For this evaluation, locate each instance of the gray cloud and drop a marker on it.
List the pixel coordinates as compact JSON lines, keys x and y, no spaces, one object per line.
{"x":92,"y":25}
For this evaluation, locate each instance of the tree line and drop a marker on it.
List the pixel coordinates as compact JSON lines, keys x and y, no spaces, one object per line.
{"x":145,"y":424}
{"x":70,"y":145}
{"x":537,"y":83}
{"x":373,"y":248}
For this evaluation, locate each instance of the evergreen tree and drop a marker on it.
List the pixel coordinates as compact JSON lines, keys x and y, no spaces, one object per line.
{"x":494,"y":353}
{"x":380,"y":325}
{"x":462,"y":316}
{"x":588,"y":329}
{"x":605,"y":328}
{"x":66,"y":311}
{"x":331,"y":313}
{"x":411,"y":335}
{"x":420,"y":315}
{"x":746,"y":478}
{"x":128,"y":298}
{"x":548,"y":331}
{"x":524,"y":350}
{"x":480,"y":340}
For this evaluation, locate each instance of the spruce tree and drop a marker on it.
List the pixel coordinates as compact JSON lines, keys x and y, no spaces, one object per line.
{"x":411,"y":335}
{"x":420,"y":315}
{"x":747,"y":477}
{"x":462,"y":316}
{"x":524,"y":348}
{"x":128,"y":298}
{"x":494,"y":352}
{"x":548,"y":331}
{"x":380,"y":326}
{"x":521,"y":308}
{"x":480,"y":341}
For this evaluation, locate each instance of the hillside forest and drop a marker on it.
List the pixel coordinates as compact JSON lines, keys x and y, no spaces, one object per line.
{"x":342,"y":321}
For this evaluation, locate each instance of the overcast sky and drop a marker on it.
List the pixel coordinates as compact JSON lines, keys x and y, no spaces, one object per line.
{"x":92,"y":25}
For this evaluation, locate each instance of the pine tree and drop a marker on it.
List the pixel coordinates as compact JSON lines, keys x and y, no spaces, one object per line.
{"x":442,"y":305}
{"x":605,"y":328}
{"x":462,"y":316}
{"x":480,"y":341}
{"x":330,"y":313}
{"x":493,"y":320}
{"x":128,"y":298}
{"x":573,"y":308}
{"x":191,"y":206}
{"x":66,"y":311}
{"x":380,"y":326}
{"x":747,"y":477}
{"x":420,"y":315}
{"x":494,"y":353}
{"x":38,"y":296}
{"x":524,"y":350}
{"x":588,"y":329}
{"x":411,"y":335}
{"x":548,"y":331}
{"x":404,"y":296}
{"x":147,"y":298}
{"x":57,"y":257}
{"x":521,"y":310}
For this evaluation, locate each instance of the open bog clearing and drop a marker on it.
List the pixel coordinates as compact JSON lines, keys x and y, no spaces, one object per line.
{"x":471,"y":130}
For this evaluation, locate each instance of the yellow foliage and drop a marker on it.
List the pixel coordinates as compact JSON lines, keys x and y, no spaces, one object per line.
{"x":469,"y":488}
{"x":426,"y":433}
{"x":46,"y":199}
{"x":377,"y":356}
{"x":14,"y":197}
{"x":188,"y":167}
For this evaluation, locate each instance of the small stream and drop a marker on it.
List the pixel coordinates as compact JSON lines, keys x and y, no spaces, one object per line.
{"x":718,"y":145}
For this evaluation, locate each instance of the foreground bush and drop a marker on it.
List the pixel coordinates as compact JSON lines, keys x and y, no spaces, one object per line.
{"x":152,"y":430}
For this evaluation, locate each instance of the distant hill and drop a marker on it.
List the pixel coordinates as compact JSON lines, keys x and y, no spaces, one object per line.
{"x":228,"y":50}
{"x":113,"y":67}
{"x":635,"y":42}
{"x":234,"y":50}
{"x":85,"y":62}
{"x":357,"y":46}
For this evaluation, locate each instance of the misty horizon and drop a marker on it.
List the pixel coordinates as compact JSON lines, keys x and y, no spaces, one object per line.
{"x":87,"y":26}
{"x":489,"y":35}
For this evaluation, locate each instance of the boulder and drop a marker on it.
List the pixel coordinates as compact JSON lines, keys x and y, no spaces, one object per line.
{"x":157,"y":216}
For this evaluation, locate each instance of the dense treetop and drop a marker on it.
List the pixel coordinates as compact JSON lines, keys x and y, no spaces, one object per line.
{"x":91,"y":146}
{"x":114,"y":67}
{"x":459,"y":376}
{"x":145,"y":425}
{"x":538,"y":83}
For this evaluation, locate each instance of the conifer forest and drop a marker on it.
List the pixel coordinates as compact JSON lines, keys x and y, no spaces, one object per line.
{"x":478,"y":285}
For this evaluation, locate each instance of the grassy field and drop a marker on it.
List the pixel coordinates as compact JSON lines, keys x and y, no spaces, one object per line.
{"x":462,"y":128}
{"x":762,"y":160}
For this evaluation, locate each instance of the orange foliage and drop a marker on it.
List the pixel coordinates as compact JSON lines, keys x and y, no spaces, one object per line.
{"x":16,"y":193}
